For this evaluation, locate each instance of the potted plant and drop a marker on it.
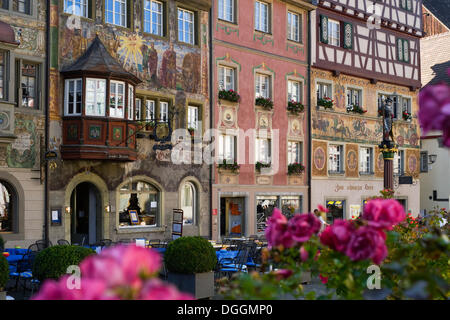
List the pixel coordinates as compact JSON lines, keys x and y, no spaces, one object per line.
{"x":233,"y":167}
{"x":191,"y":131}
{"x":325,"y":102}
{"x":149,"y":125}
{"x":229,"y":95}
{"x":295,"y":107}
{"x":4,"y":276}
{"x":406,"y":115}
{"x":259,"y":165}
{"x":2,"y":244}
{"x":355,"y":109}
{"x":266,"y":103}
{"x":295,"y":169}
{"x":190,"y":262}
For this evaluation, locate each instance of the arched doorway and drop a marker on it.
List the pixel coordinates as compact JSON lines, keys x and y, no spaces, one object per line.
{"x":8,"y":208}
{"x":86,"y":219}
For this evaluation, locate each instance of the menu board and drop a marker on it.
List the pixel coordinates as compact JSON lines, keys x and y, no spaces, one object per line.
{"x":177,"y":223}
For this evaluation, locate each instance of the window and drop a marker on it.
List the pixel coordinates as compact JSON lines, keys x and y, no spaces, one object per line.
{"x":117,"y":97}
{"x":95,"y":97}
{"x":424,"y":161}
{"x":399,"y":163}
{"x":142,"y":197}
{"x":185,"y":26}
{"x":193,"y":117}
{"x":116,"y":12}
{"x":354,"y":97}
{"x":8,"y":207}
{"x":323,"y":90}
{"x":395,"y":105}
{"x":365,"y":160}
{"x":263,"y":150}
{"x":77,"y":7}
{"x":73,"y":97}
{"x":4,"y":4}
{"x":262,"y":16}
{"x":406,"y":4}
{"x":226,"y":10}
{"x":188,"y":203}
{"x":138,"y":111}
{"x":406,"y":105}
{"x":262,"y":86}
{"x":403,"y":50}
{"x":28,"y":79}
{"x":226,"y":150}
{"x":22,"y":6}
{"x":150,"y":110}
{"x":164,"y":112}
{"x":294,"y":27}
{"x":3,"y":82}
{"x":291,"y":205}
{"x":130,"y":102}
{"x":295,"y":91}
{"x":334,"y":30}
{"x":294,"y":152}
{"x":153,"y":17}
{"x":226,"y":78}
{"x":336,"y":159}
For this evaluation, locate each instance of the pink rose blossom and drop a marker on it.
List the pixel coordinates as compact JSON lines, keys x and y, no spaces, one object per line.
{"x":277,"y":230}
{"x":367,"y":243}
{"x":384,"y":214}
{"x":322,"y":208}
{"x":303,"y":226}
{"x":283,"y":274}
{"x":337,"y":235}
{"x":323,"y":279}
{"x":303,"y":254}
{"x":155,"y":289}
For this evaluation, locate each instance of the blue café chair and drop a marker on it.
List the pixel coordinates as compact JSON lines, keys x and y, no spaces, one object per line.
{"x":230,"y":265}
{"x":24,"y":269}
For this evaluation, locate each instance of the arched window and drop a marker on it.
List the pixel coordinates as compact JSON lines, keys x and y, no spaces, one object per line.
{"x":189,"y":203}
{"x":8,"y":206}
{"x":139,"y":204}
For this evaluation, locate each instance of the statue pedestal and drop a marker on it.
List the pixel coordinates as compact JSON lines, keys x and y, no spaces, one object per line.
{"x":388,"y":149}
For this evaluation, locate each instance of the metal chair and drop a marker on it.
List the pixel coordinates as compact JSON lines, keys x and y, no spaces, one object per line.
{"x":63,"y":242}
{"x":228,"y":266}
{"x":24,"y":268}
{"x":105,"y":242}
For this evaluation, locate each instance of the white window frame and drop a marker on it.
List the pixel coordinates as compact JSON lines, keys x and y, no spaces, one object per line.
{"x":297,"y":97}
{"x":96,"y":102}
{"x":113,"y":11}
{"x":223,"y":14}
{"x":294,"y":29}
{"x":335,"y":157}
{"x":194,"y":202}
{"x":191,"y":22}
{"x":163,"y":111}
{"x":75,"y":101}
{"x":334,"y":33}
{"x":320,"y":92}
{"x":408,"y":104}
{"x":294,"y":156}
{"x":77,"y":7}
{"x":138,"y":109}
{"x":263,"y":150}
{"x":193,"y":113}
{"x":114,"y":110}
{"x":150,"y":11}
{"x":365,"y":160}
{"x":130,"y":102}
{"x":353,"y":93}
{"x":150,"y":110}
{"x":259,"y":91}
{"x":399,"y":163}
{"x":223,"y":74}
{"x":259,"y":18}
{"x":226,"y":148}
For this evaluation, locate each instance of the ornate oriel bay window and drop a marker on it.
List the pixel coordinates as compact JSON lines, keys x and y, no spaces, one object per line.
{"x":99,"y":104}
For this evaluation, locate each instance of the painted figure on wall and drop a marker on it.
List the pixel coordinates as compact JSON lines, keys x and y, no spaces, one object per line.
{"x":191,"y":72}
{"x":150,"y":61}
{"x":168,"y":70}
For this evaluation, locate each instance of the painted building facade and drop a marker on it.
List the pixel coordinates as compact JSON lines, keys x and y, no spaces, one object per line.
{"x":22,"y":120}
{"x":358,"y":60}
{"x":123,"y":75}
{"x":260,"y":49}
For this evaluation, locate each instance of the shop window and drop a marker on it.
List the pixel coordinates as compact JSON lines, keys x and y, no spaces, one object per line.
{"x":189,"y":203}
{"x":142,"y":198}
{"x":264,"y":209}
{"x":8,"y":205}
{"x":336,"y":210}
{"x":291,"y":205}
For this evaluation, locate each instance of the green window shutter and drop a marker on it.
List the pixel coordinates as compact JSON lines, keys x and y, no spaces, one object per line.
{"x":348,"y":35}
{"x":324,"y":29}
{"x":399,"y":49}
{"x":406,"y":51}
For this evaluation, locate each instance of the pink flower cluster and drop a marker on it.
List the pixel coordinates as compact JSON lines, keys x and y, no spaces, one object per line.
{"x":434,"y":112}
{"x":117,"y":273}
{"x":298,"y":229}
{"x":368,"y":241}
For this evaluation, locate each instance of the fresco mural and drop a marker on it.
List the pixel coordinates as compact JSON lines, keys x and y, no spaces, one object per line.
{"x":22,"y":152}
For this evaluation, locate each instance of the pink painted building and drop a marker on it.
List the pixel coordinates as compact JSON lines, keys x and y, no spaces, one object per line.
{"x":260,"y":51}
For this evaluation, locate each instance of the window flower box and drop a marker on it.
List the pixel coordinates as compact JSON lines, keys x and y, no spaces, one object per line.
{"x":266,"y":103}
{"x":229,"y":95}
{"x":295,"y":107}
{"x":224,"y":166}
{"x":406,"y":115}
{"x":355,"y":109}
{"x":259,"y":165}
{"x":326,"y":103}
{"x":295,"y":169}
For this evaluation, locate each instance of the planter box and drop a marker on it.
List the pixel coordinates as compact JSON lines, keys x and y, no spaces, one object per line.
{"x":200,"y":285}
{"x":2,"y":295}
{"x":306,"y":277}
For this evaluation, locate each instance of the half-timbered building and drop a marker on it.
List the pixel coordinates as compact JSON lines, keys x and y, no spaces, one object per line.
{"x":363,"y":52}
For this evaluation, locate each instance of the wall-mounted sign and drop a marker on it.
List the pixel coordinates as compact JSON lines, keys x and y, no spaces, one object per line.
{"x":177,"y":223}
{"x":405,"y":180}
{"x":51,"y":155}
{"x":56,"y":217}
